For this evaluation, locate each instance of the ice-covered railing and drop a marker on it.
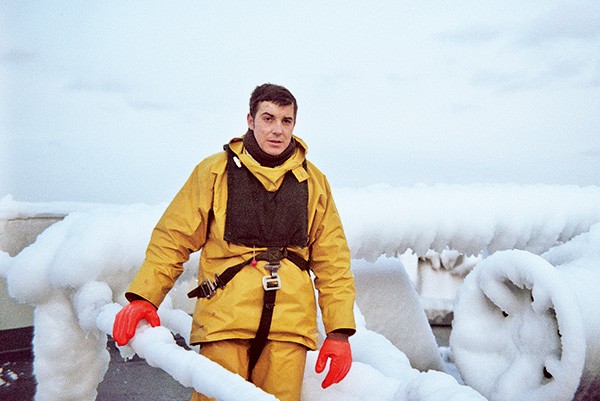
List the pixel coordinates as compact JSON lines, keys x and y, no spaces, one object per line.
{"x":72,"y":275}
{"x":384,"y":220}
{"x":79,"y":267}
{"x":527,"y":326}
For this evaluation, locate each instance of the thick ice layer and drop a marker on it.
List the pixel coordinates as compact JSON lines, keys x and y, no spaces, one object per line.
{"x":392,"y":307}
{"x":578,"y":263}
{"x":75,"y":270}
{"x":68,"y":362}
{"x":525,"y":329}
{"x":385,"y":220}
{"x":101,"y":247}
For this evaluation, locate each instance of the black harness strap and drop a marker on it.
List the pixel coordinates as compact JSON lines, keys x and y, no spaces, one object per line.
{"x":207,"y":288}
{"x":273,"y":256}
{"x":260,"y":340}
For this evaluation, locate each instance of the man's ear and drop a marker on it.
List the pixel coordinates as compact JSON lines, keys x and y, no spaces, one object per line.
{"x":250,"y":122}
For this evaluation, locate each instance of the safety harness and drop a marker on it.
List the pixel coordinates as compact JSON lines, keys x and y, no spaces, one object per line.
{"x":271,"y":283}
{"x":256,"y":217}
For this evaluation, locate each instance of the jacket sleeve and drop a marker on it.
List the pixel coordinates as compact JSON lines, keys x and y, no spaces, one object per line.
{"x":180,"y":231}
{"x":330,"y":262}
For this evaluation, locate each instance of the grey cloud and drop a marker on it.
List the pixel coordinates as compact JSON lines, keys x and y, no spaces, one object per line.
{"x":508,"y":81}
{"x":592,"y":153}
{"x":115,"y":87}
{"x":594,"y":80}
{"x":459,"y":108}
{"x":149,"y":105}
{"x":97,"y":86}
{"x":17,"y":56}
{"x":579,"y":21}
{"x":531,"y":76}
{"x":472,"y":35}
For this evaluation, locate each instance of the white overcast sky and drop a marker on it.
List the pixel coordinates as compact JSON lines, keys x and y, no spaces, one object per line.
{"x":117,"y":101}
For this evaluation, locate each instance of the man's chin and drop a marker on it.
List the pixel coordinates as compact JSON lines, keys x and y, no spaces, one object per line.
{"x":275,"y":151}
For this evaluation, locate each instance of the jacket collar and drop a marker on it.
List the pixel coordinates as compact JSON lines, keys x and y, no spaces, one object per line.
{"x":271,"y":178}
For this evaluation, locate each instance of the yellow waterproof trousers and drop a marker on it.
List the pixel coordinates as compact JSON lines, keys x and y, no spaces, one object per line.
{"x":279,"y":370}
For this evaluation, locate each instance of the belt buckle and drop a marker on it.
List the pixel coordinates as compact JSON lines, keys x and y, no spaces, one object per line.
{"x":209,"y":288}
{"x":272,"y":282}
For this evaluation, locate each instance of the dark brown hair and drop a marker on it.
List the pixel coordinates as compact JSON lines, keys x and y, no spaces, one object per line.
{"x":271,"y":93}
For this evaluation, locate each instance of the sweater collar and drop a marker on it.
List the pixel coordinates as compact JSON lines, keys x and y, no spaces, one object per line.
{"x":262,"y":157}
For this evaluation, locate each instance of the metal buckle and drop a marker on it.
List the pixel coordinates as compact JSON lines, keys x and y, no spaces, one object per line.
{"x":273,"y":267}
{"x":272,"y":282}
{"x":209,"y":288}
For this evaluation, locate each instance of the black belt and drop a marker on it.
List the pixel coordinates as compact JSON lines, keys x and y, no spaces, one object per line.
{"x":271,"y":284}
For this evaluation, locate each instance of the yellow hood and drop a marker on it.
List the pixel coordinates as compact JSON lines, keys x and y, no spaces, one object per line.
{"x":271,"y":178}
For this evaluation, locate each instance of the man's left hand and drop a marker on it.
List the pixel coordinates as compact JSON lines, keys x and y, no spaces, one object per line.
{"x":337,"y":347}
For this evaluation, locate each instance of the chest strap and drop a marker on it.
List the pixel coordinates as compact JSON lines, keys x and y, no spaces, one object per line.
{"x":273,"y":256}
{"x":271,"y":284}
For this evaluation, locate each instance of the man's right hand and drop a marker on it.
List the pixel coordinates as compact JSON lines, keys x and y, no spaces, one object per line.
{"x":127,"y":319}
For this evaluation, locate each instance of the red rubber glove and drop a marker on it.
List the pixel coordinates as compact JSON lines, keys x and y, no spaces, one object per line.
{"x":341,"y":360}
{"x":128,"y":318}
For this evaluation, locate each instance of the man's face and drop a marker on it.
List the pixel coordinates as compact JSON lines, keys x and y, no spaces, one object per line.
{"x":273,"y":126}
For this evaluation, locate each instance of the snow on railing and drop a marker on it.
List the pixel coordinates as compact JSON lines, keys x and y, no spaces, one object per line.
{"x":76,"y":269}
{"x":384,"y":220}
{"x":528,"y":326}
{"x":100,"y":248}
{"x":69,"y":275}
{"x":158,"y":347}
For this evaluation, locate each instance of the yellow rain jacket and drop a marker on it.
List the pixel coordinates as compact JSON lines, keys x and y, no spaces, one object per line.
{"x":195,"y":220}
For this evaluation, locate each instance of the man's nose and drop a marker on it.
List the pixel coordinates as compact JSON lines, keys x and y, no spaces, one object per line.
{"x":278,"y":127}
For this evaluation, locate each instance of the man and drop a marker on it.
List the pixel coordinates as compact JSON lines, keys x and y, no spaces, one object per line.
{"x":264,"y":218}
